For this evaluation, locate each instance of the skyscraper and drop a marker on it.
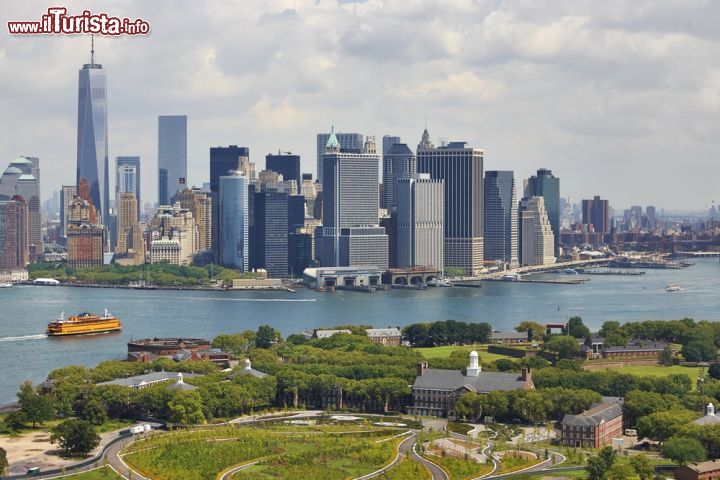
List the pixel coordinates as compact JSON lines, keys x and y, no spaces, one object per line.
{"x":223,"y":160}
{"x":92,"y":136}
{"x":128,"y":179}
{"x":200,"y":204}
{"x":286,"y":164}
{"x":233,"y":243}
{"x":351,"y":235}
{"x":545,"y":184}
{"x":349,"y":142}
{"x":129,"y":237}
{"x":501,"y":217}
{"x":270,"y":240}
{"x":398,"y":163}
{"x":420,"y":218}
{"x":14,"y":253}
{"x":536,"y":237}
{"x":21,"y":178}
{"x":461,"y":167}
{"x":595,"y":212}
{"x":172,"y":156}
{"x":67,"y":192}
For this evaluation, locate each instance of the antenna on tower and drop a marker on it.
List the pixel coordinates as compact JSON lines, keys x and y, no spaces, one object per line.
{"x":92,"y":50}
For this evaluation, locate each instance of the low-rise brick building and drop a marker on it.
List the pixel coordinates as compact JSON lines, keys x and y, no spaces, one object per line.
{"x":709,"y":470}
{"x":595,"y":427}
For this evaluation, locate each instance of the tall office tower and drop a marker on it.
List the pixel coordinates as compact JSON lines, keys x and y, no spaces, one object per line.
{"x":420,"y":217}
{"x":545,"y":184}
{"x":501,"y":217}
{"x":349,"y":142}
{"x":19,"y":179}
{"x":651,"y":213}
{"x":536,"y":237}
{"x":129,"y":237}
{"x":92,"y":136}
{"x":308,"y":190}
{"x":461,"y":167}
{"x":270,"y":242}
{"x":200,"y":204}
{"x":398,"y":163}
{"x":596,"y":212}
{"x":14,"y":252}
{"x":86,"y":240}
{"x":67,"y":192}
{"x":299,"y":253}
{"x":286,"y":164}
{"x":172,"y":156}
{"x":233,"y":244}
{"x":223,"y":160}
{"x":128,"y":179}
{"x":296,"y":212}
{"x":351,"y":235}
{"x":174,"y":235}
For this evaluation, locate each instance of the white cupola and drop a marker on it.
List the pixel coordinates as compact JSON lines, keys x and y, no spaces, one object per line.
{"x":474,"y":369}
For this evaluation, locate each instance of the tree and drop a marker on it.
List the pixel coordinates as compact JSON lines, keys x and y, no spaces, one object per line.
{"x":94,"y":412}
{"x":621,"y":471}
{"x":36,"y":408}
{"x":599,"y":465}
{"x":576,"y":328}
{"x":684,"y":450}
{"x":266,"y":336}
{"x":15,"y":420}
{"x":237,"y":343}
{"x":185,"y":408}
{"x":642,"y":466}
{"x":3,"y":461}
{"x":660,"y":426}
{"x":76,"y":437}
{"x":564,"y":346}
{"x":469,"y":405}
{"x":568,"y":364}
{"x":714,"y":371}
{"x":609,"y":327}
{"x":536,"y":331}
{"x":703,"y":350}
{"x":667,"y":358}
{"x":615,"y":339}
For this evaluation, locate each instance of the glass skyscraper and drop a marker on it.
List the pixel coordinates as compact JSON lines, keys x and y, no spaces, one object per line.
{"x":501,"y":217}
{"x":127,"y":179}
{"x":233,"y":228}
{"x":223,"y":161}
{"x":92,"y":135}
{"x":172,"y":156}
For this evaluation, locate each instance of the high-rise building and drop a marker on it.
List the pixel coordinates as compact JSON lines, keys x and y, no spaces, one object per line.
{"x":200,"y":204}
{"x":223,"y":161}
{"x":595,"y":212}
{"x":461,"y":167}
{"x":270,"y":242}
{"x":536,"y":236}
{"x":652,"y":222}
{"x":286,"y":164}
{"x":14,"y":252}
{"x":172,"y":156}
{"x":350,"y":208}
{"x":233,"y":244}
{"x":129,"y":234}
{"x":501,"y":217}
{"x":398,"y":163}
{"x":545,"y":184}
{"x":420,"y":215}
{"x":92,"y":136}
{"x":296,"y":212}
{"x":21,"y":178}
{"x":127,"y":178}
{"x":86,"y":241}
{"x":300,"y":254}
{"x":174,"y":235}
{"x":67,"y":193}
{"x":349,"y":142}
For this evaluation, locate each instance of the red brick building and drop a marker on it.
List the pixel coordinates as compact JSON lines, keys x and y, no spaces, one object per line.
{"x":699,"y":471}
{"x":594,"y":428}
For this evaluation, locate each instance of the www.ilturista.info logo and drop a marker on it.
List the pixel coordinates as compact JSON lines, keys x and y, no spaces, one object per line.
{"x":57,"y":21}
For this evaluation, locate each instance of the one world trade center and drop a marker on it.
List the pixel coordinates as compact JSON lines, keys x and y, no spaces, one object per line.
{"x":92,"y":147}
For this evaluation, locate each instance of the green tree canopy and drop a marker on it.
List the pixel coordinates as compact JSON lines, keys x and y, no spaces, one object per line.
{"x":536,"y":331}
{"x":684,"y":450}
{"x":576,"y":328}
{"x":36,"y":408}
{"x":563,"y":345}
{"x":76,"y":437}
{"x":266,"y":336}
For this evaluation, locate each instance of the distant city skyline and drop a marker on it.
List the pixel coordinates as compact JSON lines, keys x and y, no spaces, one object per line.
{"x":554,"y":87}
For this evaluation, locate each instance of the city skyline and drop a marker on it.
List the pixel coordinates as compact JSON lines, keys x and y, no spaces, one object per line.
{"x":554,"y":88}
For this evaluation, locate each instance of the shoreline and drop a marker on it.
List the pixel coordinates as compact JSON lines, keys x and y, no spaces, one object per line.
{"x":166,"y":287}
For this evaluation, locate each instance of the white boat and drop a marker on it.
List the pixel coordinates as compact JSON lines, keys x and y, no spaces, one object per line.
{"x":439,"y":282}
{"x":672,"y":287}
{"x":570,"y":271}
{"x":511,"y":277}
{"x":6,"y":284}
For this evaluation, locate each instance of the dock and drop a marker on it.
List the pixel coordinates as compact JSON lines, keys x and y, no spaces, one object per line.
{"x":556,"y":281}
{"x":468,"y":285}
{"x":631,"y":273}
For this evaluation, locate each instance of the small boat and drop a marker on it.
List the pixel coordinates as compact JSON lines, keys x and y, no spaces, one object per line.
{"x":672,"y":287}
{"x":570,"y":271}
{"x":83,"y":324}
{"x":6,"y":284}
{"x":511,"y":277}
{"x":439,"y":282}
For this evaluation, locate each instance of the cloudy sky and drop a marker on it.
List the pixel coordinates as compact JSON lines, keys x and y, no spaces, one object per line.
{"x":619,"y":98}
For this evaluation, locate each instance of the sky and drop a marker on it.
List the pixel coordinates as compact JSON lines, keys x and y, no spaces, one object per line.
{"x":619,"y":98}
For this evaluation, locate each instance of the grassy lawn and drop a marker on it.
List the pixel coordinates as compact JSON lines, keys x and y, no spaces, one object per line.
{"x":406,"y":470}
{"x":104,"y":473}
{"x":285,"y":451}
{"x":111,"y":425}
{"x":445,"y":351}
{"x":460,"y":469}
{"x":461,"y":428}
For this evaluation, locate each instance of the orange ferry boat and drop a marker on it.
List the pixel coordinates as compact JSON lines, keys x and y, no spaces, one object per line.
{"x":83,"y":324}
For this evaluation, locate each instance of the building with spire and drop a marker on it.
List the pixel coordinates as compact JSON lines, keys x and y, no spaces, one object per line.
{"x":92,"y":136}
{"x":349,"y":142}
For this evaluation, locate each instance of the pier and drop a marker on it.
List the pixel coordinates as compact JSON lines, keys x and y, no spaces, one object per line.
{"x":593,"y":271}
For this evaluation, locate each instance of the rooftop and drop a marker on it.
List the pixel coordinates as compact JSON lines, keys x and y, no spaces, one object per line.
{"x":451,"y":380}
{"x":148,"y":378}
{"x":595,"y":415}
